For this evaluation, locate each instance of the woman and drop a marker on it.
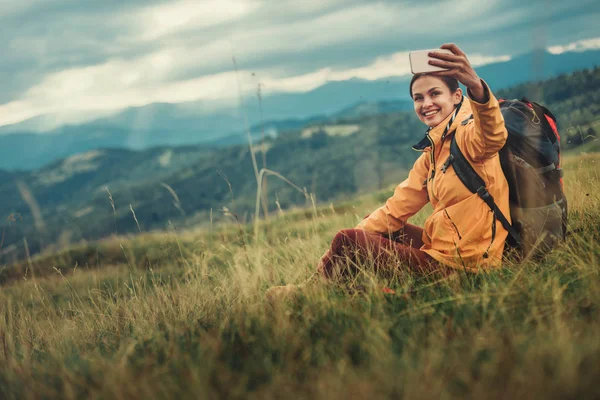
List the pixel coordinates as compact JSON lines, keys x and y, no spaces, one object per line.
{"x":461,"y":233}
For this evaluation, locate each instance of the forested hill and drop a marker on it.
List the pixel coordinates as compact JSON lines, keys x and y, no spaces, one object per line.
{"x":73,"y":199}
{"x":574,"y":99}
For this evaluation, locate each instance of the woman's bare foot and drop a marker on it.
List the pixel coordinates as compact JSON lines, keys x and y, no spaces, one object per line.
{"x":278,"y":294}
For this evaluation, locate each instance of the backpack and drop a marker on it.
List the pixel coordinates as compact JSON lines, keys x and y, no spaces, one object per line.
{"x":530,"y":160}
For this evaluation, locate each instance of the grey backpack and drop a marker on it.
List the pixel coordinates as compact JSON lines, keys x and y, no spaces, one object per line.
{"x":530,"y":161}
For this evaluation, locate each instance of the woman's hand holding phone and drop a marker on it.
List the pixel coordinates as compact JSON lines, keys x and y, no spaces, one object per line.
{"x":457,"y":66}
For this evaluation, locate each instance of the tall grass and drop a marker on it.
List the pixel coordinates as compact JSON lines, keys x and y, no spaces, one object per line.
{"x":190,"y":319}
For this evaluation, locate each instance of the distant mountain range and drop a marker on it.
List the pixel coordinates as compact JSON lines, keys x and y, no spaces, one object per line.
{"x":97,"y":193}
{"x":160,"y":124}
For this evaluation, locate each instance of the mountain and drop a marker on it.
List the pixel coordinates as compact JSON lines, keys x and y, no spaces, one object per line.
{"x":365,"y":109}
{"x":535,"y":66}
{"x":101,"y":192}
{"x":67,"y":196}
{"x":31,"y":151}
{"x":163,"y":124}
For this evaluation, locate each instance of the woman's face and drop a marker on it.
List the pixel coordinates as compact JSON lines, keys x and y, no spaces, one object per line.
{"x":432,"y":99}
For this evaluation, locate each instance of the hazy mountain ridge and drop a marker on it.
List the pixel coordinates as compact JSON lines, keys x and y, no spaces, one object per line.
{"x":174,"y":125}
{"x":186,"y":186}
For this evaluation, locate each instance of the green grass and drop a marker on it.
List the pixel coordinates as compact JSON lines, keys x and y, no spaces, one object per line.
{"x":183,"y":315}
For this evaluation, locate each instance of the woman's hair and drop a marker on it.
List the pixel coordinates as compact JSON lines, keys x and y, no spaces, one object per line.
{"x":451,"y":83}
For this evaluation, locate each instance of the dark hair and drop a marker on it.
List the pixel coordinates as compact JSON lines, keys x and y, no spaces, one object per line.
{"x":451,"y":83}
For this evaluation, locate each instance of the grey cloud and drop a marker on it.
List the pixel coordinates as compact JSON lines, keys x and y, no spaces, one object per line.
{"x":49,"y":36}
{"x":42,"y":37}
{"x":509,"y":36}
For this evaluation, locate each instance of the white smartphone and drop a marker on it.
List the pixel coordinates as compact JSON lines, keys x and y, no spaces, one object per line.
{"x":419,"y":61}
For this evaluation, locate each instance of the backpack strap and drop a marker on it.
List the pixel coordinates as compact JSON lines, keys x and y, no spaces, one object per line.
{"x":467,"y":175}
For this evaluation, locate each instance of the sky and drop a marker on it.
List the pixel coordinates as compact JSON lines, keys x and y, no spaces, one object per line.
{"x":78,"y":59}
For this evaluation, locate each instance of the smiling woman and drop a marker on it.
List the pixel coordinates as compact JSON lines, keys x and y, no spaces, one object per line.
{"x":434,"y":100}
{"x":461,"y":233}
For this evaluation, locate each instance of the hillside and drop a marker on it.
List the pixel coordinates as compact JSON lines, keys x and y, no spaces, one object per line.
{"x":183,"y":314}
{"x":185,"y":187}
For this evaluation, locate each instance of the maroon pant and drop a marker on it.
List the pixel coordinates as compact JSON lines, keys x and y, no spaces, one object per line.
{"x":352,"y":249}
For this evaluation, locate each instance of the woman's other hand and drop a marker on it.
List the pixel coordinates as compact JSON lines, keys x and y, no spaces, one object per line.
{"x":458,"y":67}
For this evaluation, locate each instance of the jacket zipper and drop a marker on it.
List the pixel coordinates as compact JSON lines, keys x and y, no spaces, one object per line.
{"x":432,"y":160}
{"x":432,"y":156}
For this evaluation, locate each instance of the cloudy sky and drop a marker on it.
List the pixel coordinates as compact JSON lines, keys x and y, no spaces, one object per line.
{"x":79,"y":58}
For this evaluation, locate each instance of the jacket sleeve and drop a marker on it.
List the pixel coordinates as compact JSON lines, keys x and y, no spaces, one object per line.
{"x":408,"y":198}
{"x":486,"y":135}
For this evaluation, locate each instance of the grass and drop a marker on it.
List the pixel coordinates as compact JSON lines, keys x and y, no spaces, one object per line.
{"x":183,"y":315}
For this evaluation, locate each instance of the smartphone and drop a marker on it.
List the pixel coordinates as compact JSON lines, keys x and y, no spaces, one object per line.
{"x":419,"y":61}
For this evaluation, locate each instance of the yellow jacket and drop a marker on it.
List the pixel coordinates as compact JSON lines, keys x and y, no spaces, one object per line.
{"x":459,"y":231}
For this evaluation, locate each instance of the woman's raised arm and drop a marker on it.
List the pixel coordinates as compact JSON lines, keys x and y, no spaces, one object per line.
{"x":488,"y":133}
